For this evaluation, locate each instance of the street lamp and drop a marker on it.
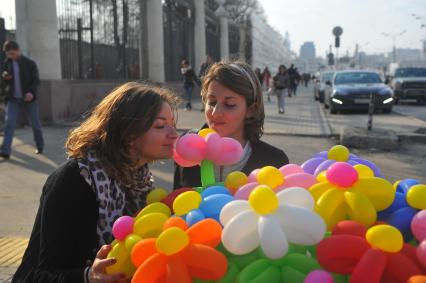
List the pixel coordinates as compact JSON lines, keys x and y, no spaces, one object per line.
{"x":423,"y":25}
{"x":393,"y":36}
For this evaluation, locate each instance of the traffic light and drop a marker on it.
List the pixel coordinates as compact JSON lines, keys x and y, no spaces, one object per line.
{"x":337,"y":42}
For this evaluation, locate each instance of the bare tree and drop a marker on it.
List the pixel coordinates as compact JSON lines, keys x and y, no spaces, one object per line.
{"x":239,"y":10}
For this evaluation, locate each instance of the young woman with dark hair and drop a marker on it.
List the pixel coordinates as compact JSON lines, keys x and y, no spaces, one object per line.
{"x":232,"y":98}
{"x":106,"y":176}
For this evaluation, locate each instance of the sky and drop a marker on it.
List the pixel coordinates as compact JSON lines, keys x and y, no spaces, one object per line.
{"x":7,"y":10}
{"x":363,"y":22}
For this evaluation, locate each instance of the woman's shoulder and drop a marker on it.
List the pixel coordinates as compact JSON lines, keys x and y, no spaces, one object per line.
{"x":264,"y":151}
{"x":66,"y":176}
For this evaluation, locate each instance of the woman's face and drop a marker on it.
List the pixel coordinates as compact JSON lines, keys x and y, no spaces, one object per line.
{"x":226,"y":111}
{"x":157,"y":143}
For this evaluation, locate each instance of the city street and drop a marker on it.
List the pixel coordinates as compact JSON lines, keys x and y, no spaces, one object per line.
{"x":302,"y":131}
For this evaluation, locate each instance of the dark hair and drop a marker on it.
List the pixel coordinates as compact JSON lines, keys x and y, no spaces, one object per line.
{"x":240,"y":78}
{"x":184,"y":62}
{"x":123,"y":115}
{"x":10,"y":45}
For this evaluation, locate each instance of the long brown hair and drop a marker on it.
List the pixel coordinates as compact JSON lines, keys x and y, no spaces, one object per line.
{"x":122,"y":116}
{"x":240,"y":78}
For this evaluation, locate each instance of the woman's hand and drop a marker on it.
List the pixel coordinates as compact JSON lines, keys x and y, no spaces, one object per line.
{"x":97,"y":273}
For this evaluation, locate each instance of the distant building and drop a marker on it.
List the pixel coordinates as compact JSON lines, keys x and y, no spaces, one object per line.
{"x":268,"y":47}
{"x":307,"y":51}
{"x":407,"y":54}
{"x":287,"y":41}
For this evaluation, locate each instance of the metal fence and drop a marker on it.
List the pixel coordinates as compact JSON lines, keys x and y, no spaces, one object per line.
{"x":99,"y":38}
{"x":212,"y":35}
{"x":178,"y":17}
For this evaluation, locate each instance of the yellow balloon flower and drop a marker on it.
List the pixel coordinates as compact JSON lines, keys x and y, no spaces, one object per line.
{"x":359,"y":199}
{"x":385,"y":237}
{"x":186,"y":202}
{"x":235,"y":180}
{"x":156,"y":195}
{"x":338,"y":153}
{"x":270,"y":176}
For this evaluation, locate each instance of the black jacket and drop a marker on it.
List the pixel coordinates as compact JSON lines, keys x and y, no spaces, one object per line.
{"x":262,"y":154}
{"x":189,"y":77}
{"x":64,"y":240}
{"x":29,"y":77}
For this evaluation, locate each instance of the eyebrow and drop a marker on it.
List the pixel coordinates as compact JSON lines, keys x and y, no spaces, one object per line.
{"x":226,"y":97}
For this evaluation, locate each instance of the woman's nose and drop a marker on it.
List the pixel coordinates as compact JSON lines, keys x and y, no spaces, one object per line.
{"x":173,"y":134}
{"x":217,"y":110}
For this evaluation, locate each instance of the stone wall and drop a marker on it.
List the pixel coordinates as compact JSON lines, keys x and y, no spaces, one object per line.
{"x":68,"y":100}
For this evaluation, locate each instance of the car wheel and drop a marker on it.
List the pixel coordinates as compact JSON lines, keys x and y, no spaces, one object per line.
{"x":387,"y":110}
{"x":321,"y":97}
{"x":396,"y":100}
{"x":332,"y":110}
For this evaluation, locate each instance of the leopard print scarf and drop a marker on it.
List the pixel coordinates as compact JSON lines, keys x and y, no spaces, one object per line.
{"x":115,"y":199}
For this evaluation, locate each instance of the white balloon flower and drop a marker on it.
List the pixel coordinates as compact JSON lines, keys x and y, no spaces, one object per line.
{"x":271,"y":221}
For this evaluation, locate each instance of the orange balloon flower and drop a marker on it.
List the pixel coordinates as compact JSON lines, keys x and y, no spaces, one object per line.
{"x":180,"y":254}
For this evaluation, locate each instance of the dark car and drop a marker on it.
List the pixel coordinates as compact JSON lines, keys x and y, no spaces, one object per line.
{"x":409,"y":83}
{"x":320,"y":85}
{"x":351,"y":90}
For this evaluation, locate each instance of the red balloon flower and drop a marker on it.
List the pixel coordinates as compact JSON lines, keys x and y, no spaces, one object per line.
{"x":376,"y":255}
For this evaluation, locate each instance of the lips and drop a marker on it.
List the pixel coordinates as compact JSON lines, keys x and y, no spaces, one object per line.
{"x":217,"y":124}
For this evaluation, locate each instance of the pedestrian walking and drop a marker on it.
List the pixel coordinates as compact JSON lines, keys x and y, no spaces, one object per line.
{"x":189,"y":80}
{"x":106,"y":176}
{"x":233,"y":108}
{"x":294,"y":80}
{"x":281,"y":86}
{"x":19,"y":83}
{"x":267,"y":82}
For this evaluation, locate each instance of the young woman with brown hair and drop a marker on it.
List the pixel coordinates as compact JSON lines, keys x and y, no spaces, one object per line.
{"x":106,"y":176}
{"x":232,"y":97}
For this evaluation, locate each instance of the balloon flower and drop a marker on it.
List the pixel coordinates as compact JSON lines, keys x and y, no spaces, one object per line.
{"x":378,"y":254}
{"x":351,"y":192}
{"x":205,"y":149}
{"x":288,"y":176}
{"x":271,"y":221}
{"x":128,"y":231}
{"x":417,"y":279}
{"x":418,"y":227}
{"x":180,"y":254}
{"x":410,"y":196}
{"x":293,"y":267}
{"x":196,"y":207}
{"x":338,"y":153}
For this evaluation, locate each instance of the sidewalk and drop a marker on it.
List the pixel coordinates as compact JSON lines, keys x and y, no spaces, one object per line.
{"x":306,"y":117}
{"x":303,"y":116}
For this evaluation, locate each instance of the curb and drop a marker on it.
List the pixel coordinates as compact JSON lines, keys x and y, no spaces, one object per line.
{"x":11,"y":251}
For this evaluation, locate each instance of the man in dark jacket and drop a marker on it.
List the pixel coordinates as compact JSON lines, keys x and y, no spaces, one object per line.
{"x":19,"y":83}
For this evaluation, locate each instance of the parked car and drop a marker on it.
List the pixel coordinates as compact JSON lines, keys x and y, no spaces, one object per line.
{"x":320,"y":85}
{"x":409,"y":83}
{"x":351,"y":90}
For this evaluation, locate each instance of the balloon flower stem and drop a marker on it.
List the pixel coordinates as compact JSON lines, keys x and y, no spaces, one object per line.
{"x":207,"y":173}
